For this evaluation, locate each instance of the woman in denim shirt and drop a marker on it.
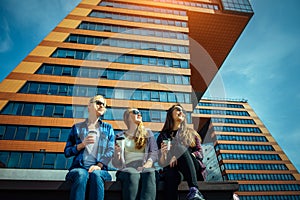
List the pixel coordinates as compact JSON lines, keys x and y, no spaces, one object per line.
{"x":135,"y":153}
{"x":92,"y":144}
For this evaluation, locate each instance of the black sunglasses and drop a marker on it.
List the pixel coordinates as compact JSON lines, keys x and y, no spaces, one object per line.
{"x":135,"y":112}
{"x":178,"y":108}
{"x":99,"y":103}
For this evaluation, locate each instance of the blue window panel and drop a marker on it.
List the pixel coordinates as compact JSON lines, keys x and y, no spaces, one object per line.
{"x":184,"y":64}
{"x":154,"y":96}
{"x":146,"y":95}
{"x":32,"y":133}
{"x":155,"y":116}
{"x":34,"y":87}
{"x":58,"y":111}
{"x":57,"y":70}
{"x":79,"y":55}
{"x":10,"y":132}
{"x":14,"y":160}
{"x":38,"y":110}
{"x":163,"y":96}
{"x":48,"y":70}
{"x":4,"y":156}
{"x":53,"y":89}
{"x":54,"y":134}
{"x":80,"y":112}
{"x":170,"y":79}
{"x":17,"y":109}
{"x":49,"y":110}
{"x":64,"y":134}
{"x":180,"y":98}
{"x":137,"y":95}
{"x":28,"y":110}
{"x":25,"y":88}
{"x":108,"y":114}
{"x":26,"y":160}
{"x":43,"y":134}
{"x":37,"y":162}
{"x":171,"y":97}
{"x":49,"y":161}
{"x":43,"y":89}
{"x":68,"y":112}
{"x":63,"y":90}
{"x":145,"y":115}
{"x":21,"y":133}
{"x":60,"y":162}
{"x":2,"y":131}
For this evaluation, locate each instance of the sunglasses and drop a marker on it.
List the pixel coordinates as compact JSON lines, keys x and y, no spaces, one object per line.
{"x":99,"y":103}
{"x":135,"y":112}
{"x":178,"y":108}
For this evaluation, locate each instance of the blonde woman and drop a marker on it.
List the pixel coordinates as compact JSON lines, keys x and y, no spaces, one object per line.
{"x":134,"y":157}
{"x":182,"y":159}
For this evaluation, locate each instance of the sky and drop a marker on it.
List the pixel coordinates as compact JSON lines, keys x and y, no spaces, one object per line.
{"x":263,"y":67}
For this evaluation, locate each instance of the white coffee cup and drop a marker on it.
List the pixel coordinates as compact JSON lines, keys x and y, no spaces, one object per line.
{"x":168,"y":143}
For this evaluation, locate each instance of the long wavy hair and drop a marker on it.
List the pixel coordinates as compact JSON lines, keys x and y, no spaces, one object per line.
{"x":140,"y":134}
{"x":187,"y":135}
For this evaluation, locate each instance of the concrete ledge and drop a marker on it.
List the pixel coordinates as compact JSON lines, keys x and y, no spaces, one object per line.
{"x":50,"y":184}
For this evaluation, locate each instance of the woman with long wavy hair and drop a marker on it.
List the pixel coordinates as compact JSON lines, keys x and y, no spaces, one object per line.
{"x":134,"y":157}
{"x":182,"y":158}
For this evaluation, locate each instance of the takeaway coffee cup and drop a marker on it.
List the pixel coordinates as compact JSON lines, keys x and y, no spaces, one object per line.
{"x":168,"y":143}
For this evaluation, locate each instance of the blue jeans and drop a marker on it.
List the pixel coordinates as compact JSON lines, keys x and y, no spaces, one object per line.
{"x":79,"y":179}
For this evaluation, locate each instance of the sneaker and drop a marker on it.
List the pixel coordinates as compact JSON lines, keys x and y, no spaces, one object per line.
{"x":194,"y":194}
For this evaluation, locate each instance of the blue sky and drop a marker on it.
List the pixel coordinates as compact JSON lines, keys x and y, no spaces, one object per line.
{"x":263,"y":67}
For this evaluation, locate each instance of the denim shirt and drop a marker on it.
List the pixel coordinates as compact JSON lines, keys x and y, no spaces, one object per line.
{"x":105,"y":146}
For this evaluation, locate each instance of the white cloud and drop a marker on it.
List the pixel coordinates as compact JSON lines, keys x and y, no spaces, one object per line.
{"x":6,"y":42}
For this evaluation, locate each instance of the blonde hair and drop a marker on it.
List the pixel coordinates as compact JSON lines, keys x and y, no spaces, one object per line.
{"x":95,"y":98}
{"x":141,"y":134}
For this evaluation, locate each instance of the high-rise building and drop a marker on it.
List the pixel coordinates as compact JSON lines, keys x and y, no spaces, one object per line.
{"x":236,"y":139}
{"x":147,"y":54}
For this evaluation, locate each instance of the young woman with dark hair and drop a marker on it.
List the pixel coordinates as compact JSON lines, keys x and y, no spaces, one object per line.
{"x":182,"y":159}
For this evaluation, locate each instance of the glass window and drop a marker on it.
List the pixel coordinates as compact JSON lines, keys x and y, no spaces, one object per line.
{"x":34,"y":87}
{"x":14,"y":160}
{"x":163,"y":96}
{"x":64,"y":134}
{"x":37,"y":162}
{"x":49,"y":160}
{"x":171,"y":97}
{"x":43,"y":134}
{"x":43,"y":89}
{"x":26,"y":160}
{"x":2,"y":131}
{"x":38,"y":110}
{"x":58,"y":111}
{"x":60,"y":162}
{"x":48,"y":110}
{"x":146,"y":96}
{"x":10,"y":132}
{"x":54,"y":134}
{"x":154,"y":96}
{"x":79,"y":112}
{"x":155,"y":116}
{"x":27,"y":110}
{"x":68,"y":112}
{"x":21,"y":133}
{"x":32,"y":133}
{"x":53,"y":89}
